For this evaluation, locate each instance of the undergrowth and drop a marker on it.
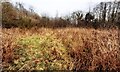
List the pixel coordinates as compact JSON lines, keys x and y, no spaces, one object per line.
{"x":41,"y":53}
{"x":61,"y":49}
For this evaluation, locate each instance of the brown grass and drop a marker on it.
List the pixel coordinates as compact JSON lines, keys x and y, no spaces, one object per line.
{"x":90,"y":49}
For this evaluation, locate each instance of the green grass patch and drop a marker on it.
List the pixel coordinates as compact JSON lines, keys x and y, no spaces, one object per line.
{"x":41,"y":53}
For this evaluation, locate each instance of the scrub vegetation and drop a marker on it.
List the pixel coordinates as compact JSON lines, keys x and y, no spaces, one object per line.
{"x":87,"y":42}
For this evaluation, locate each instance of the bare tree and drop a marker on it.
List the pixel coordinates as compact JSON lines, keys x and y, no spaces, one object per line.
{"x":104,"y":12}
{"x":107,"y":11}
{"x":77,"y":17}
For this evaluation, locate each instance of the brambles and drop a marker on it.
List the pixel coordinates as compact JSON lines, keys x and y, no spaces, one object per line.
{"x":41,"y":53}
{"x":61,"y":49}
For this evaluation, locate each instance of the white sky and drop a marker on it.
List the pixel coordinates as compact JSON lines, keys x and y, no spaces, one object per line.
{"x":62,"y":7}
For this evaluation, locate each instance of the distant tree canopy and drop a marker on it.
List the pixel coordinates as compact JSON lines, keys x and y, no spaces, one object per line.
{"x":105,"y":14}
{"x":107,"y":11}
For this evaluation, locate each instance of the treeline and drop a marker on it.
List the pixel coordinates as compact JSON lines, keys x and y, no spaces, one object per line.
{"x":104,"y":15}
{"x":17,"y":16}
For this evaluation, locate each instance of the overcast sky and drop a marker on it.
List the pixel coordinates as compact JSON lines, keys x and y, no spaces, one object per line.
{"x":62,"y":7}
